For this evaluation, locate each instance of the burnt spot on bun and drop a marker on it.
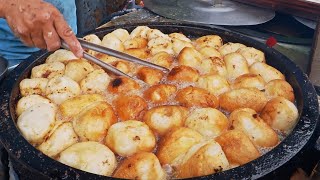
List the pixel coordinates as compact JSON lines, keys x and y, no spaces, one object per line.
{"x":117,"y":82}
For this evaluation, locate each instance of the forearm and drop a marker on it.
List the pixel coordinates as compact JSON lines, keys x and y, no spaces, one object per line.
{"x":2,"y":2}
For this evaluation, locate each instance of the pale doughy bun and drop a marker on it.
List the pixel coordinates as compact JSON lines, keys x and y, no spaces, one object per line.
{"x":48,"y":70}
{"x":122,"y":85}
{"x":78,"y":69}
{"x":111,"y":41}
{"x":280,"y":114}
{"x":129,"y":137}
{"x":230,"y":48}
{"x":90,"y":156}
{"x":248,"y":121}
{"x":236,"y":65}
{"x":243,"y":98}
{"x":150,"y":75}
{"x":176,"y":144}
{"x":143,"y":165}
{"x":36,"y":122}
{"x":237,"y":147}
{"x":209,"y":41}
{"x":252,"y":55}
{"x":215,"y":84}
{"x":178,"y":45}
{"x":61,"y":88}
{"x":268,"y":73}
{"x":160,"y":93}
{"x":33,"y":86}
{"x":26,"y":102}
{"x":61,"y":55}
{"x":279,"y":88}
{"x":179,"y":36}
{"x":183,"y":74}
{"x":130,"y":107}
{"x":190,"y":57}
{"x":198,"y":97}
{"x":93,"y":123}
{"x":121,"y":34}
{"x":249,"y":81}
{"x":207,"y":121}
{"x":72,"y":107}
{"x":140,"y":31}
{"x":162,"y":119}
{"x":92,"y":38}
{"x":210,"y":52}
{"x":95,"y":82}
{"x":135,"y":43}
{"x":207,"y":159}
{"x":61,"y":137}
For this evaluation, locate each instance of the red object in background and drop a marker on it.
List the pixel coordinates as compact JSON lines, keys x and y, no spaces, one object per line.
{"x":271,"y":41}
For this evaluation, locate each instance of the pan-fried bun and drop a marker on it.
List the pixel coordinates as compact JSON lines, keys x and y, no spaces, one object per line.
{"x":237,"y":147}
{"x":91,"y":157}
{"x":162,"y":119}
{"x":130,"y":107}
{"x":129,"y":137}
{"x":143,"y":165}
{"x":194,"y":96}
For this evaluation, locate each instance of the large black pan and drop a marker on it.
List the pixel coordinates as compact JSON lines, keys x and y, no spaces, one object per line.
{"x":41,"y":165}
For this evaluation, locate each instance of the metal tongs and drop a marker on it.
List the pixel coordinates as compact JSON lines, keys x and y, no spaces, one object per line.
{"x":114,"y":53}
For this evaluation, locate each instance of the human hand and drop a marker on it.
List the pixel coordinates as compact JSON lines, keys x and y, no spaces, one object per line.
{"x":40,"y":24}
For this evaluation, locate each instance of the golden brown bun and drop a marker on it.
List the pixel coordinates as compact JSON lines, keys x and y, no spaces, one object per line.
{"x":267,"y":72}
{"x":207,"y":121}
{"x":129,"y":137}
{"x":215,"y":84}
{"x":230,"y":48}
{"x":194,"y":96}
{"x":176,"y":143}
{"x":208,"y":159}
{"x":130,"y":107}
{"x":135,"y":43}
{"x":179,"y":36}
{"x":280,"y":114}
{"x":48,"y":70}
{"x":183,"y":74}
{"x":123,"y":66}
{"x":237,"y":147}
{"x":122,"y":85}
{"x":243,"y":98}
{"x":160,"y":93}
{"x":93,"y":123}
{"x":190,"y":57}
{"x":236,"y":65}
{"x":209,"y":41}
{"x":61,"y":137}
{"x":278,"y":87}
{"x":249,"y":81}
{"x":138,"y":53}
{"x":248,"y":121}
{"x":140,"y":31}
{"x":78,"y":69}
{"x":72,"y":107}
{"x":162,"y":119}
{"x":106,"y":58}
{"x":178,"y":45}
{"x":252,"y":55}
{"x":162,"y":59}
{"x":143,"y":165}
{"x":61,"y":55}
{"x":150,"y":75}
{"x":121,"y":34}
